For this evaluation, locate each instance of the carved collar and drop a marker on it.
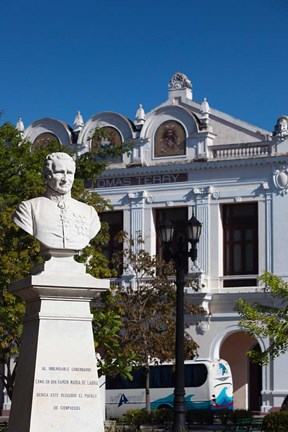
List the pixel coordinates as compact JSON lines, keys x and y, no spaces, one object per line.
{"x":60,"y":199}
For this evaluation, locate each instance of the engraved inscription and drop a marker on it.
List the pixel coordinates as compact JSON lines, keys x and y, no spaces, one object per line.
{"x":67,"y":392}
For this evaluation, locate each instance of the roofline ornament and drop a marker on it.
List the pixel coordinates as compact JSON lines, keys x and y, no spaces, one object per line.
{"x":179,"y":81}
{"x":281,"y":127}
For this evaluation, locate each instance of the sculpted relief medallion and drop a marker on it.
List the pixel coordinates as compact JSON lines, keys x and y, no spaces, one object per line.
{"x":280,"y":179}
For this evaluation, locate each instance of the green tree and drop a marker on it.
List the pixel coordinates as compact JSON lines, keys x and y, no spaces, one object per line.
{"x":107,"y":329}
{"x":147,"y":306}
{"x":21,"y":178}
{"x":269,"y":320}
{"x":11,"y":318}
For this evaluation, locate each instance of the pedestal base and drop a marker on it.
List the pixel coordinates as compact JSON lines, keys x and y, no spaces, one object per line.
{"x":57,"y":386}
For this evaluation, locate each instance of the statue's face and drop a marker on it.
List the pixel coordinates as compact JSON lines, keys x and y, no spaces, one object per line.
{"x":283,"y":125}
{"x":62,"y":176}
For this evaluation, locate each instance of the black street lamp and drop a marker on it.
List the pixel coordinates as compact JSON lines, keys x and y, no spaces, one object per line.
{"x":180,"y":256}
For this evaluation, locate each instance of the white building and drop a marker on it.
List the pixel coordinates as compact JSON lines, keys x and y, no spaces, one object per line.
{"x":186,"y":155}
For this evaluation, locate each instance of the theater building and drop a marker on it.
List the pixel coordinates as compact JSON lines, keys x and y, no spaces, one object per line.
{"x":188,"y":157}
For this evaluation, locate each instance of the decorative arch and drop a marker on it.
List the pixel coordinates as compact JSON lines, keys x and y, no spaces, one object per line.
{"x":170,"y":112}
{"x":215,"y":346}
{"x":123,"y":127}
{"x":170,"y":129}
{"x":232,"y":345}
{"x":49,"y":128}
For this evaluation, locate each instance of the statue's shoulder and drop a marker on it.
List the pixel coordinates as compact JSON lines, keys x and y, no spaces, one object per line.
{"x":87,"y":211}
{"x":83,"y":206}
{"x":33,"y":202}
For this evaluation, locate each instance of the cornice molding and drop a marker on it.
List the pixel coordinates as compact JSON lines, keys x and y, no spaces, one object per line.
{"x":179,"y":167}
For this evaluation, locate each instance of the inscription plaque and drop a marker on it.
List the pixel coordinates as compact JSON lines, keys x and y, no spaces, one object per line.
{"x":65,"y":387}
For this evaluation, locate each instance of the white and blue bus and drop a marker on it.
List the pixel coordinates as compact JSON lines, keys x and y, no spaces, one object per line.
{"x":208,"y":385}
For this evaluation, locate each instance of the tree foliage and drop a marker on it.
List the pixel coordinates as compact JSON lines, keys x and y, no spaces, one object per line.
{"x":268,"y":320}
{"x":107,"y":329}
{"x":11,"y":319}
{"x":147,"y":306}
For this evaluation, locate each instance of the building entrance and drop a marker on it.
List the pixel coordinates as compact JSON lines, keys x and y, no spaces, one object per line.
{"x":246,"y":376}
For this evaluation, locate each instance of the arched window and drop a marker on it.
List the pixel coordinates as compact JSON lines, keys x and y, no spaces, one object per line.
{"x":170,"y":140}
{"x":44,"y":139}
{"x":107,"y":139}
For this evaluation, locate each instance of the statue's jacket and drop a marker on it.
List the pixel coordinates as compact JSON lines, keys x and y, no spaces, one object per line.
{"x":58,"y":222}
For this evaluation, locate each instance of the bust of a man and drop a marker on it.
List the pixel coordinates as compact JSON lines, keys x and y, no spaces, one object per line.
{"x":55,"y":219}
{"x":281,"y":127}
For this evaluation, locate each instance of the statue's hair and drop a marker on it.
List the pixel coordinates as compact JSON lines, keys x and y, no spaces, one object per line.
{"x":50,"y":158}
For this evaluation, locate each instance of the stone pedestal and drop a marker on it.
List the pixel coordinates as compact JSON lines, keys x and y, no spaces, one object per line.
{"x":57,"y":386}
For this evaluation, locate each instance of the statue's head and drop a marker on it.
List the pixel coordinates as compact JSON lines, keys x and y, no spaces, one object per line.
{"x":281,"y":127}
{"x":59,"y":171}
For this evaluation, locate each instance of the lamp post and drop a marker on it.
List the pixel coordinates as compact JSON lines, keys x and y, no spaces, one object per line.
{"x":193,"y":231}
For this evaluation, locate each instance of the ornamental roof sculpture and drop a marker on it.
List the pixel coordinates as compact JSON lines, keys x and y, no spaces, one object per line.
{"x":205,"y":110}
{"x":140,"y":116}
{"x":78,"y":122}
{"x":281,"y":127}
{"x":179,"y":81}
{"x":20,"y":125}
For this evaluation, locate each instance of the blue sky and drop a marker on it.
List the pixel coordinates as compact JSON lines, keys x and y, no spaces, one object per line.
{"x":60,"y":56}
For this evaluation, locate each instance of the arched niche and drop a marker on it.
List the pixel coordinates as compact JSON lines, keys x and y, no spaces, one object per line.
{"x":170,"y":129}
{"x":122,"y":127}
{"x":44,"y":130}
{"x":169,"y":140}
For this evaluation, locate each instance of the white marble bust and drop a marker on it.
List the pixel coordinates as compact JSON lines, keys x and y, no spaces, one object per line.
{"x":55,"y":219}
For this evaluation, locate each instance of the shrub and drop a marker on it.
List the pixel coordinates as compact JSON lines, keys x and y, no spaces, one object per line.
{"x":161,"y":416}
{"x":199,"y":416}
{"x":240,"y":414}
{"x":225,"y":416}
{"x":135,"y":417}
{"x":276,"y":422}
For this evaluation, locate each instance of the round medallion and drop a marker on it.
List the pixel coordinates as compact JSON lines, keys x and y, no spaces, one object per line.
{"x":282,"y":180}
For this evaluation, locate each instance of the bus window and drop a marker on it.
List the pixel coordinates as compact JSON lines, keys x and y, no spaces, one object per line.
{"x":117,"y":382}
{"x":161,"y":376}
{"x":195,"y":375}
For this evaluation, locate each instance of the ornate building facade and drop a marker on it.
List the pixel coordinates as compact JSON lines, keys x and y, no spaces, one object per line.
{"x":188,"y":157}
